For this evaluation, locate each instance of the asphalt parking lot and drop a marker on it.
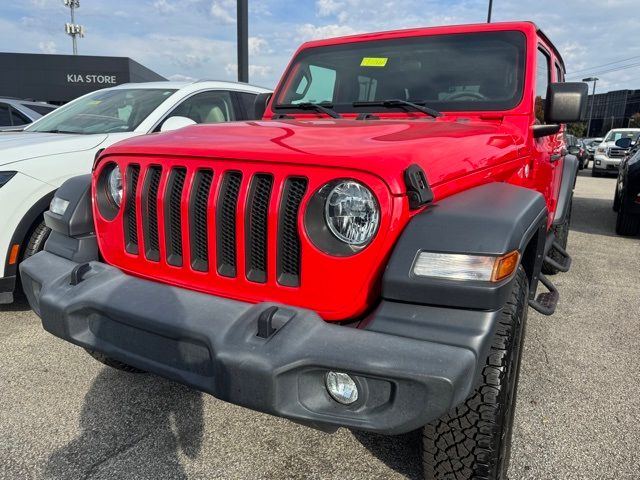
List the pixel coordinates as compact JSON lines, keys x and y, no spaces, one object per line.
{"x":65,"y":416}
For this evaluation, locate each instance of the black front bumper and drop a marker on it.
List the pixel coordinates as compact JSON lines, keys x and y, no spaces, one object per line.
{"x":412,"y":363}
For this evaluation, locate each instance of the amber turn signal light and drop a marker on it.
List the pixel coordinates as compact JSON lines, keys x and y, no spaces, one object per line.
{"x":505,"y":266}
{"x":13,"y":254}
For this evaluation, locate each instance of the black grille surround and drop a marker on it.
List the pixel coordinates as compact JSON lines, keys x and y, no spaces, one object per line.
{"x":209,"y":219}
{"x":130,"y":210}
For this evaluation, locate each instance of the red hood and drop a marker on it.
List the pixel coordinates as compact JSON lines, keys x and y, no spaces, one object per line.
{"x":445,"y":149}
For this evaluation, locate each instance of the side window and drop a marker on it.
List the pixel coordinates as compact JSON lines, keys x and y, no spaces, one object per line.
{"x":206,"y":107}
{"x":5,"y":118}
{"x":319,"y":87}
{"x":559,"y":74}
{"x":18,"y":118}
{"x":247,"y":100}
{"x":542,"y":82}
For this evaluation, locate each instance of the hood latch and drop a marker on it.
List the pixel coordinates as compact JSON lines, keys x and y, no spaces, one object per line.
{"x":418,"y":189}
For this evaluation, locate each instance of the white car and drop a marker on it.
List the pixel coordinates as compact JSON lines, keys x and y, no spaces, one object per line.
{"x":608,"y":156}
{"x":15,"y":114}
{"x":36,"y":161}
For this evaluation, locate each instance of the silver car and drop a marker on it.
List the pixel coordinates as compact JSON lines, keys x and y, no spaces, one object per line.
{"x":15,"y":114}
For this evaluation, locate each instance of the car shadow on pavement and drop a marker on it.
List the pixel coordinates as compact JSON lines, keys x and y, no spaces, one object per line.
{"x":20,"y":304}
{"x":399,"y":452}
{"x":594,"y":216}
{"x":132,"y":426}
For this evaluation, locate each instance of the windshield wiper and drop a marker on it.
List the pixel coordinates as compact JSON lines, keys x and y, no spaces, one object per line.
{"x":58,"y":131}
{"x":396,"y":102}
{"x":324,"y":107}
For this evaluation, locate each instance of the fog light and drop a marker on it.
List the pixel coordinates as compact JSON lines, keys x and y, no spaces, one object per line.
{"x":58,"y":205}
{"x":598,"y":162}
{"x":341,"y":387}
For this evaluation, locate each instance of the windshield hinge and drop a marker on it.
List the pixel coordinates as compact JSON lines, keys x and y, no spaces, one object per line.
{"x":418,"y":190}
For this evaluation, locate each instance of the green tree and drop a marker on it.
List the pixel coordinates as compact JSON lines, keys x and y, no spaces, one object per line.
{"x":635,"y":120}
{"x":577,"y":129}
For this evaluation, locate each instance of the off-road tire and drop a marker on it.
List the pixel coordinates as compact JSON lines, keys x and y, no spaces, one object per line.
{"x":473,"y":441}
{"x":627,"y":224}
{"x":561,"y":233}
{"x":616,"y":200}
{"x":37,"y":240}
{"x":110,"y":362}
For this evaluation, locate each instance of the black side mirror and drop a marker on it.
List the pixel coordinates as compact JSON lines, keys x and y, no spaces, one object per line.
{"x":573,"y":150}
{"x":260,"y":105}
{"x":623,"y":143}
{"x":566,"y":102}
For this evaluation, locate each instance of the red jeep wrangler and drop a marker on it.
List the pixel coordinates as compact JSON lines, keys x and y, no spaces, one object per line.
{"x":363,"y":257}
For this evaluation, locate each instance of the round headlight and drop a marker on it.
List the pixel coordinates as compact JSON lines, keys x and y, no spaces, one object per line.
{"x":114,"y":185}
{"x":352,"y":213}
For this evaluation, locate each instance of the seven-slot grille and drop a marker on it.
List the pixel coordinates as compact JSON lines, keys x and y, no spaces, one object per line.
{"x":206,"y":204}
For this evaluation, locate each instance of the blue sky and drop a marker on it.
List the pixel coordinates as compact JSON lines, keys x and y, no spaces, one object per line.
{"x":183,"y":39}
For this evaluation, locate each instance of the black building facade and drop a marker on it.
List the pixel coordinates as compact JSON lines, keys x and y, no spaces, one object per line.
{"x":61,"y":78}
{"x":613,"y":110}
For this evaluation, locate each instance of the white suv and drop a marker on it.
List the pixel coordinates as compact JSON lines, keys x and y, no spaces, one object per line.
{"x":608,"y":156}
{"x":36,"y":161}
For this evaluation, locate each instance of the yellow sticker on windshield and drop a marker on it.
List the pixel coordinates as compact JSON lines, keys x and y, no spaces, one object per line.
{"x":374,"y":62}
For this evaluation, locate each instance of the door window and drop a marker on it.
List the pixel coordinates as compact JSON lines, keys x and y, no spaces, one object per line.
{"x":17,"y":118}
{"x":542,"y":82}
{"x":5,"y":117}
{"x":206,"y":107}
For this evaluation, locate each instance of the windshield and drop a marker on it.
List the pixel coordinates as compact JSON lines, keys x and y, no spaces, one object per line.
{"x":104,"y":111}
{"x":614,"y":136}
{"x":461,"y":72}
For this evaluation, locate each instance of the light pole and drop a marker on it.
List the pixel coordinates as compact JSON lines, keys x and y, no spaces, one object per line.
{"x":489,"y":12}
{"x":73,"y":29}
{"x":593,"y":99}
{"x":243,"y":41}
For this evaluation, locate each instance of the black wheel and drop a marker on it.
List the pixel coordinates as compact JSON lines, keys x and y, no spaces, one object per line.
{"x":627,"y":224}
{"x":110,"y":362}
{"x":37,"y":240}
{"x":562,"y":237}
{"x":616,"y":200}
{"x":474,"y":439}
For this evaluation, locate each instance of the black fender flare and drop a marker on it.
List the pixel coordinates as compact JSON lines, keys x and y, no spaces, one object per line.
{"x":569,"y":177}
{"x":491,"y":219}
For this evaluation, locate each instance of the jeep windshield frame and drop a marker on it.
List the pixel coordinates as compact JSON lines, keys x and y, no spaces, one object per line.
{"x":459,"y":72}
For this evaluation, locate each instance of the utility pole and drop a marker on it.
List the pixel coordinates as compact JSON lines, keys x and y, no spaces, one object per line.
{"x":593,"y":99}
{"x":243,"y":41}
{"x":73,"y":29}
{"x":489,"y":12}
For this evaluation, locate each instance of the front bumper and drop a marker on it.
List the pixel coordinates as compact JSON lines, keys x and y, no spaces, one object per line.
{"x":604,"y":163}
{"x":7,"y":286}
{"x":412,"y":363}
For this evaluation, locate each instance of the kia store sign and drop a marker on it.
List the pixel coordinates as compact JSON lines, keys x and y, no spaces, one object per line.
{"x":61,"y":78}
{"x":101,"y":79}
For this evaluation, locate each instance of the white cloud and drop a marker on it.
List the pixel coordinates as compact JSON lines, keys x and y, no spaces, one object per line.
{"x":309,"y":31}
{"x":327,"y":8}
{"x":258,"y":45}
{"x":48,"y":47}
{"x":255,"y":71}
{"x":224,"y":11}
{"x":163,"y":6}
{"x":178,"y":77}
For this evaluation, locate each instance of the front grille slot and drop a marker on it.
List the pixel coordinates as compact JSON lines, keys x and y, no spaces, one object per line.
{"x":198,"y":220}
{"x":226,"y":223}
{"x":173,"y":215}
{"x":150,"y":215}
{"x":256,"y":227}
{"x":130,"y":210}
{"x":288,"y":258}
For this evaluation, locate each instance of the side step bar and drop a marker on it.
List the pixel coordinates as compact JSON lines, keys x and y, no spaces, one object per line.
{"x":547,"y":302}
